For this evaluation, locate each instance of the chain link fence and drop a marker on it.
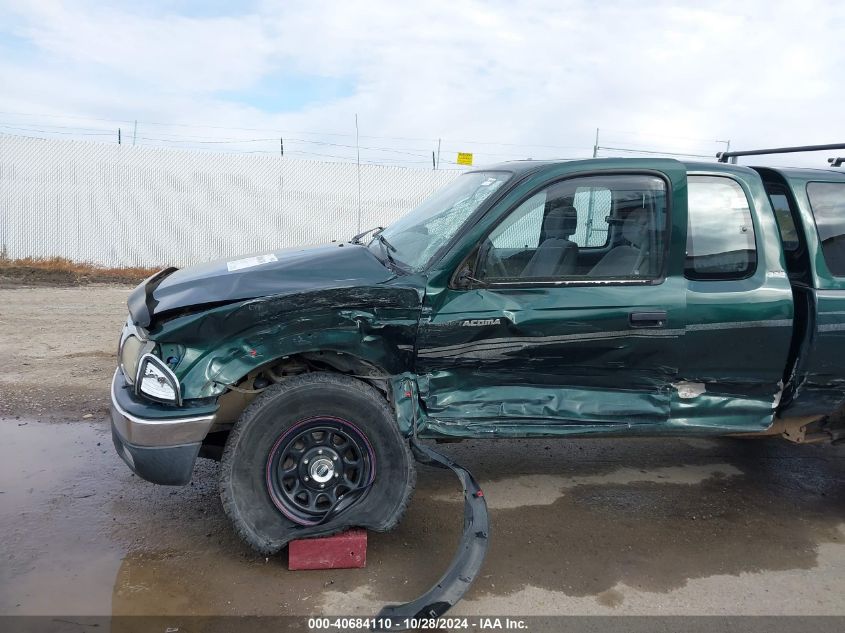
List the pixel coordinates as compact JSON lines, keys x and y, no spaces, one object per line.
{"x":121,"y":205}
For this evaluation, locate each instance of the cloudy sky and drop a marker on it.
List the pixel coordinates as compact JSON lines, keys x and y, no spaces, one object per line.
{"x":509,"y":79}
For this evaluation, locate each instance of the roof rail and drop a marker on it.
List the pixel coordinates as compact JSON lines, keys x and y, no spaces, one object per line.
{"x":724,"y":156}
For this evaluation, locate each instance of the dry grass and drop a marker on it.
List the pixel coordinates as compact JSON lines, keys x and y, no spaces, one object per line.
{"x":63,"y":272}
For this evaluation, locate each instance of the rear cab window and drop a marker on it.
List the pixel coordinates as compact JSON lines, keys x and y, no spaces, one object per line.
{"x":783,"y":216}
{"x":827,"y":201}
{"x":720,"y":230}
{"x":594,"y":206}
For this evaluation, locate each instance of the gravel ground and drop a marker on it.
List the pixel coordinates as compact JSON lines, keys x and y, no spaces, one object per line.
{"x":612,"y":527}
{"x":59,"y":347}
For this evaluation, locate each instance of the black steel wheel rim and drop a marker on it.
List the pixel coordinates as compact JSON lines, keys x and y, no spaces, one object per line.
{"x":314,"y":463}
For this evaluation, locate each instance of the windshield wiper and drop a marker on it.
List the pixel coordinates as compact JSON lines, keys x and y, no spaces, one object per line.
{"x":386,"y":247}
{"x":383,"y":240}
{"x":356,"y":239}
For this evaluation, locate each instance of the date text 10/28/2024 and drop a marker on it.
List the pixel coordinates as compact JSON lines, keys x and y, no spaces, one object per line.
{"x":386,"y":624}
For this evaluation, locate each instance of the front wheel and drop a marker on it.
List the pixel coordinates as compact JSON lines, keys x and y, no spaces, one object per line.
{"x":302,"y":446}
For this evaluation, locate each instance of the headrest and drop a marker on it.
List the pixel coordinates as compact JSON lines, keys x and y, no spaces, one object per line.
{"x":635,"y":227}
{"x":560,"y":222}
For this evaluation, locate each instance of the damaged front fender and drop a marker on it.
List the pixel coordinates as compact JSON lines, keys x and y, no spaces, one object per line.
{"x":376,"y":325}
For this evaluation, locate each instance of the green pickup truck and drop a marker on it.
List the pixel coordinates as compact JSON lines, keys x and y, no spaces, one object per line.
{"x":528,"y":299}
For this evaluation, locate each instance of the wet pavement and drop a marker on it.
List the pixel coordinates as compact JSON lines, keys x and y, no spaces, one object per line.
{"x":605,"y":526}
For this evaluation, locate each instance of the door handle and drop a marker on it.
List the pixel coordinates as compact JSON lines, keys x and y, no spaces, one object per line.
{"x":656,"y":318}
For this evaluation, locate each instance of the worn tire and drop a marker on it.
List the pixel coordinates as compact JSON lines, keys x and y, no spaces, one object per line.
{"x":244,"y":488}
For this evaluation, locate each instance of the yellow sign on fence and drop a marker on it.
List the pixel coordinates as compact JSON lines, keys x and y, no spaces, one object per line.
{"x":464,"y":158}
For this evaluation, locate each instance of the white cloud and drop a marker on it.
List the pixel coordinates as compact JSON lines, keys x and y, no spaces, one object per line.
{"x":651,"y":74}
{"x":170,"y":53}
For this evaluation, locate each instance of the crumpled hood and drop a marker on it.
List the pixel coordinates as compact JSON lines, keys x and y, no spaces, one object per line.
{"x":285,"y":271}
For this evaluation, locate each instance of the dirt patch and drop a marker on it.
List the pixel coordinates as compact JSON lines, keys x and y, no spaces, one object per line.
{"x":58,"y":271}
{"x":610,"y":598}
{"x":59,"y":347}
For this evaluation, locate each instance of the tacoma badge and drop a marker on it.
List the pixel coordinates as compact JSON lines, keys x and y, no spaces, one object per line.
{"x":480,"y":322}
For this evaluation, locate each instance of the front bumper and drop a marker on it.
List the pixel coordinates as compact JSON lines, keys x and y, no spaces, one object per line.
{"x":159,"y":443}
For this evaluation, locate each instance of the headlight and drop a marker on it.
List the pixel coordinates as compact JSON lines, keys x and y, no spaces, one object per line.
{"x":132,"y":347}
{"x":156,"y":381}
{"x":130,"y":354}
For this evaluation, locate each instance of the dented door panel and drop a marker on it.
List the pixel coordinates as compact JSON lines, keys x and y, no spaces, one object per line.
{"x":548,"y":360}
{"x":736,"y":346}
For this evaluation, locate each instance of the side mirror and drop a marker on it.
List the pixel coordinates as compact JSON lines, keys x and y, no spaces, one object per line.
{"x":464,"y":279}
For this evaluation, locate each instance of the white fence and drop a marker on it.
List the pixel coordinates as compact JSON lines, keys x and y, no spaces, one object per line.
{"x":119,"y":205}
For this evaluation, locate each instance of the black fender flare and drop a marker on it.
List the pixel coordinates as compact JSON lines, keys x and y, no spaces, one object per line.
{"x":467,"y":561}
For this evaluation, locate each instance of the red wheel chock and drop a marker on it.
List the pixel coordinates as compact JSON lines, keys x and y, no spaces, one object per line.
{"x":346,"y":550}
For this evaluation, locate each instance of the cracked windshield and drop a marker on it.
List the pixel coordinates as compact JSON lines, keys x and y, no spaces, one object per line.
{"x":421,"y":233}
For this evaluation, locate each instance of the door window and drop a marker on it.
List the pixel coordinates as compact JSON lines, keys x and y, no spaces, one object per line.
{"x":591,"y":228}
{"x":720,"y":232}
{"x":524,"y":231}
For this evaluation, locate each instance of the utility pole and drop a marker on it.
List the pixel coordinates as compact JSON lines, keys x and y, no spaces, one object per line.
{"x":727,"y":145}
{"x":118,"y":136}
{"x":135,"y":132}
{"x":358,"y":154}
{"x":596,"y":146}
{"x":438,"y":153}
{"x":433,"y":162}
{"x":282,"y":145}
